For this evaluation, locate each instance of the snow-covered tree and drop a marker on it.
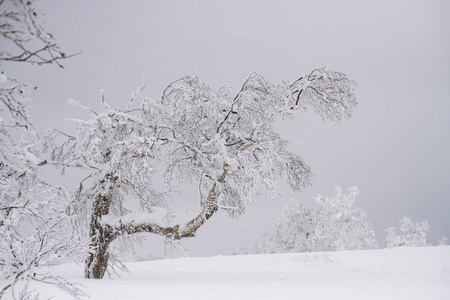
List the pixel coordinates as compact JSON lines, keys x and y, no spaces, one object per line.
{"x":224,"y":143}
{"x":443,"y":241}
{"x":34,"y":227}
{"x":410,"y":234}
{"x":331,"y":224}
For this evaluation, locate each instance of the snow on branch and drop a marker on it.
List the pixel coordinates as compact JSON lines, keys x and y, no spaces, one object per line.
{"x":330,"y":94}
{"x":22,"y":28}
{"x":35,"y":230}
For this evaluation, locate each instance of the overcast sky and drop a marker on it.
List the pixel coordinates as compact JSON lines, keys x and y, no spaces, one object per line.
{"x":395,"y":148}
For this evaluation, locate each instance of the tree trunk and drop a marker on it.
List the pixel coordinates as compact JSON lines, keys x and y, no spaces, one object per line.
{"x":97,"y":260}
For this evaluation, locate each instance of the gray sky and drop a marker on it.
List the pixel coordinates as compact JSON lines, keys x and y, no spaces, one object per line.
{"x":395,"y":147}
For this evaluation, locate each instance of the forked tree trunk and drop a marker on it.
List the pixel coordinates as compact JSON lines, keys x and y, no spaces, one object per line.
{"x":103,"y":234}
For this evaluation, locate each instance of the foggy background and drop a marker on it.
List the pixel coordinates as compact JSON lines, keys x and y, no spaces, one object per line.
{"x":395,"y":148}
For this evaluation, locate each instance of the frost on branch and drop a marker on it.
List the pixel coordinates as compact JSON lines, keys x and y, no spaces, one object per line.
{"x":35,"y":230}
{"x":33,"y":236}
{"x":23,"y":36}
{"x":331,"y":224}
{"x":214,"y":128}
{"x":223,"y":142}
{"x":330,"y":94}
{"x":410,"y":234}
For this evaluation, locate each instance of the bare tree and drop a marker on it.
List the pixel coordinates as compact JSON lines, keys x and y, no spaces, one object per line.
{"x":225,"y":143}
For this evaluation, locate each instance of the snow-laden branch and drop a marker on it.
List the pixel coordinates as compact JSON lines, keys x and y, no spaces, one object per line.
{"x":21,"y":27}
{"x":171,"y":224}
{"x":35,"y":229}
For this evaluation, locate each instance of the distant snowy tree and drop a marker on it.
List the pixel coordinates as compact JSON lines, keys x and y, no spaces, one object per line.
{"x":410,"y":234}
{"x":224,"y":143}
{"x":443,"y":241}
{"x":34,"y":228}
{"x":330,"y":225}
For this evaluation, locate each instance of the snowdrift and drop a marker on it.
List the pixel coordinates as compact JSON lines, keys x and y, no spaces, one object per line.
{"x":401,"y":273}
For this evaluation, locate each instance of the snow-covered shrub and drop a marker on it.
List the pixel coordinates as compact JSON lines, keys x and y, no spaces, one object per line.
{"x":330,"y":225}
{"x":409,"y":235}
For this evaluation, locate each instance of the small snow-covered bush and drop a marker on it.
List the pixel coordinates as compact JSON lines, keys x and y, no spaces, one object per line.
{"x":410,"y":234}
{"x":331,"y":224}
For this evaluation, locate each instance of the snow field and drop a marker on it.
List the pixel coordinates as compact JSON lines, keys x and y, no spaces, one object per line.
{"x":401,"y":273}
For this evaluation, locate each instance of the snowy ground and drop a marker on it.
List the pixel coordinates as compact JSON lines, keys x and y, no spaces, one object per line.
{"x":402,"y":273}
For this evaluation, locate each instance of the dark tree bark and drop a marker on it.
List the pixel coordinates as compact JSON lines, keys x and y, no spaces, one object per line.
{"x":97,"y":260}
{"x":103,"y":234}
